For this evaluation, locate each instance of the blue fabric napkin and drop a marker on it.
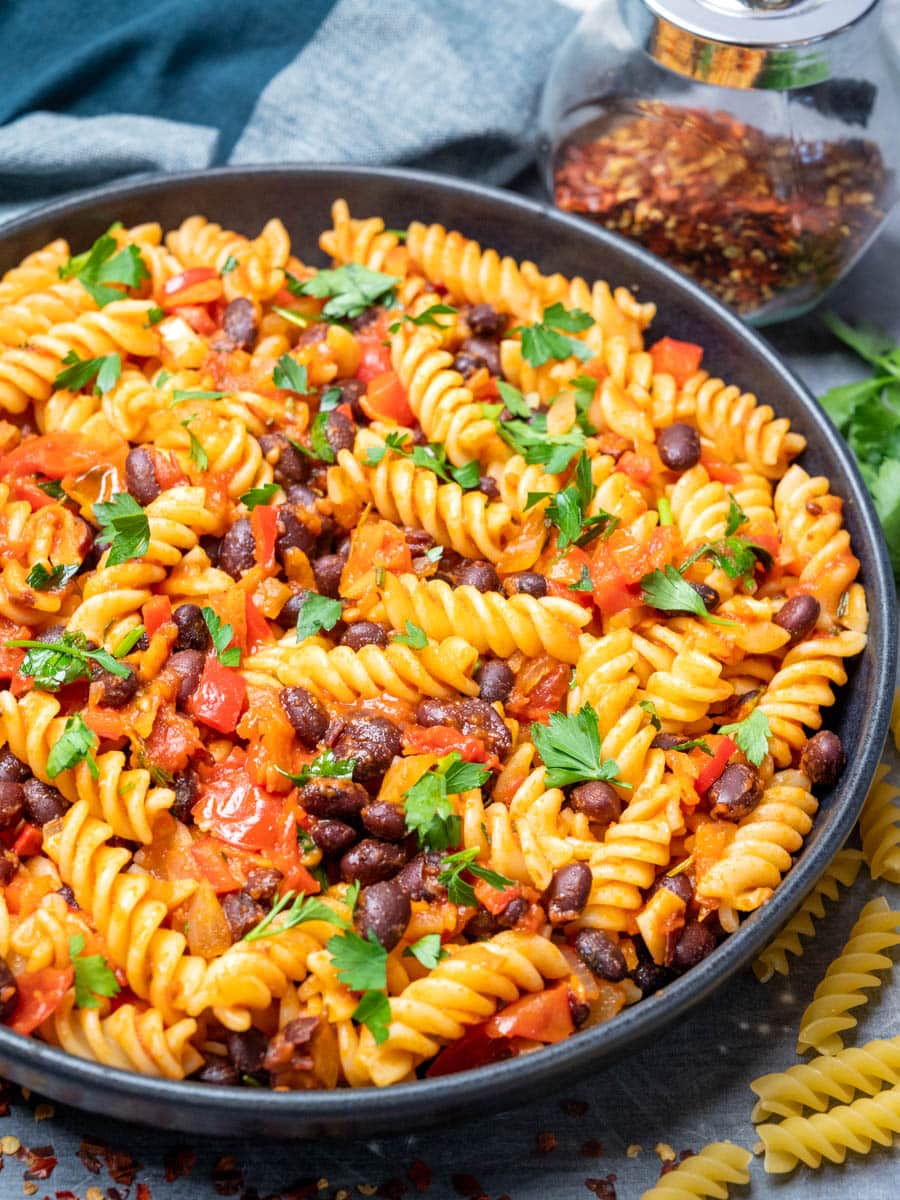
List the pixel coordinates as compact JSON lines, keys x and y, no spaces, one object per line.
{"x":107,"y":88}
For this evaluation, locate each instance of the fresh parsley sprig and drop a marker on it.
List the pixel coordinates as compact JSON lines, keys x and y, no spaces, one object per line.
{"x":350,"y":289}
{"x":291,"y":375}
{"x":736,"y":556}
{"x":751,"y":735}
{"x":324,"y":765}
{"x":432,"y":457}
{"x":317,"y":613}
{"x":51,"y":665}
{"x":264,"y":494}
{"x":57,"y":577}
{"x":570,"y":749}
{"x":736,"y":516}
{"x":459,"y":890}
{"x":198,"y":454}
{"x":74,"y":745}
{"x":222,"y":635}
{"x":429,"y":809}
{"x":669,"y":592}
{"x":362,"y":966}
{"x":93,"y":975}
{"x":531,"y":439}
{"x":103,"y":265}
{"x":428,"y":317}
{"x":79,"y":372}
{"x":124,"y":526}
{"x":414,"y":637}
{"x":427,"y":950}
{"x":302,"y":908}
{"x":543,"y":340}
{"x":567,"y":510}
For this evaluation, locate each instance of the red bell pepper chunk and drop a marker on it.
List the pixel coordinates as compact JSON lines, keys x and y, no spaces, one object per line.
{"x":54,"y":455}
{"x":39,"y":995}
{"x":264,"y":523}
{"x":474,"y":1049}
{"x":196,"y":285}
{"x":27,"y":489}
{"x":156,"y":612}
{"x":442,"y":739}
{"x":107,"y":723}
{"x":385,"y":398}
{"x":197,"y":317}
{"x":11,"y":658}
{"x":219,"y":698}
{"x":681,"y":360}
{"x":212,"y":863}
{"x":495,"y":900}
{"x":715,"y":766}
{"x":258,"y":631}
{"x":542,"y":1017}
{"x":28,"y":840}
{"x":721,"y":472}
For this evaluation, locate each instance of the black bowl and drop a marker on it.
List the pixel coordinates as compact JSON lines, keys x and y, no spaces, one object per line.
{"x":243,"y":199}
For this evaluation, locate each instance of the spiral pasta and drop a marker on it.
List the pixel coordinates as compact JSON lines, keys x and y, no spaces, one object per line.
{"x":868,"y":1121}
{"x":879,"y":827}
{"x":814,"y":1085}
{"x":705,"y":1174}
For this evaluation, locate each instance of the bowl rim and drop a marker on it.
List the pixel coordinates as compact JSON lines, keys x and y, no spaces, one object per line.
{"x":506,"y":1081}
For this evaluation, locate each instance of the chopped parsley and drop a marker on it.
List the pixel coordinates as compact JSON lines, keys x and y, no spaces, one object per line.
{"x":735,"y":556}
{"x":460,"y":890}
{"x":414,"y":637}
{"x":124,"y":526}
{"x":74,"y":745}
{"x":79,"y":372}
{"x":736,"y":516}
{"x":129,"y":641}
{"x":350,"y":289}
{"x":567,"y":510}
{"x":427,"y":950}
{"x":291,"y":375}
{"x":429,"y":810}
{"x":179,"y":395}
{"x":52,"y":487}
{"x":751,"y":735}
{"x":650,"y":708}
{"x":103,"y":265}
{"x":228,"y":656}
{"x":229,"y":265}
{"x":362,"y":966}
{"x":669,"y":592}
{"x":432,"y":457}
{"x":543,"y":340}
{"x":428,"y":317}
{"x":570,"y":749}
{"x":199,"y":457}
{"x":317,"y":613}
{"x":93,"y":975}
{"x":51,"y":665}
{"x":43,"y":580}
{"x":303,"y":908}
{"x":323,"y":766}
{"x":259,"y":495}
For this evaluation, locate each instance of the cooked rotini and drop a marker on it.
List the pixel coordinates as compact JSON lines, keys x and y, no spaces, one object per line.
{"x":868,"y":1121}
{"x":383,"y":684}
{"x":879,"y":827}
{"x":854,"y":972}
{"x":830,"y":1077}
{"x":706,"y":1174}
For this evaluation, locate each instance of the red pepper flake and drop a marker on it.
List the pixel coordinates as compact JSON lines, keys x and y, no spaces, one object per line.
{"x":574,"y":1108}
{"x":392,"y":1189}
{"x":603,"y":1189}
{"x":468,"y":1186}
{"x":41,"y":1162}
{"x":89,"y":1153}
{"x":178,"y":1162}
{"x":420,"y":1174}
{"x":592,"y":1149}
{"x":143,"y":1192}
{"x":121,"y":1166}
{"x":673,"y":1164}
{"x":66,"y":1195}
{"x":545,"y":1142}
{"x":226,"y":1176}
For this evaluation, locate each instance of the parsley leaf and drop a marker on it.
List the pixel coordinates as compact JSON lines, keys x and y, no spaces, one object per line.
{"x":735,"y":556}
{"x":73,"y":746}
{"x":514,"y":400}
{"x":52,"y":487}
{"x":669,"y":592}
{"x":414,"y":637}
{"x":361,"y":962}
{"x":570,"y":749}
{"x":129,"y":641}
{"x":435,"y":554}
{"x":43,"y":580}
{"x":229,"y":265}
{"x":80,"y":371}
{"x":198,"y":455}
{"x":351,"y":289}
{"x":584,"y":582}
{"x":429,"y":811}
{"x":585,"y":386}
{"x":102,"y":265}
{"x":124,"y":525}
{"x":736,"y":516}
{"x":228,"y":656}
{"x":318,"y":438}
{"x":542,"y":341}
{"x":751,"y":735}
{"x":432,"y":457}
{"x":324,"y":765}
{"x":303,"y":908}
{"x":567,"y":509}
{"x":693,"y":744}
{"x":330,"y":399}
{"x":427,"y":950}
{"x":180,"y":394}
{"x":93,"y":975}
{"x":291,"y":375}
{"x":317,"y":613}
{"x":374,"y":1011}
{"x":537,"y":446}
{"x":51,"y":665}
{"x":154,"y":316}
{"x":428,"y":317}
{"x":649,"y":707}
{"x":458,"y":889}
{"x":259,"y":495}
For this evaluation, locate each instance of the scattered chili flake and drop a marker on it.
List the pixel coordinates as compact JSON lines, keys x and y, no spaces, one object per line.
{"x":226,"y":1176}
{"x":545,"y":1142}
{"x":467,"y":1185}
{"x":179,"y":1161}
{"x":604,"y":1189}
{"x":392,"y":1189}
{"x":574,"y":1108}
{"x":592,"y":1149}
{"x":420,"y":1175}
{"x":143,"y":1192}
{"x":67,"y":1195}
{"x":120,"y":1165}
{"x":41,"y":1162}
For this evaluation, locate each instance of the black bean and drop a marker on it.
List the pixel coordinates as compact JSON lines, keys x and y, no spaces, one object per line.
{"x":736,"y":792}
{"x":649,"y":977}
{"x":9,"y":992}
{"x":11,"y":767}
{"x":239,"y":322}
{"x":529,"y":582}
{"x":366,"y":317}
{"x":238,"y":548}
{"x":432,"y":711}
{"x":708,"y":595}
{"x":370,"y":861}
{"x":597,"y":800}
{"x":43,"y":803}
{"x":12,"y":803}
{"x":480,"y":719}
{"x":478,"y":574}
{"x":9,"y":864}
{"x":695,"y":943}
{"x":115,"y":690}
{"x":332,"y":837}
{"x":484,"y":319}
{"x":482,"y":348}
{"x":188,"y":666}
{"x":290,"y":610}
{"x":305,"y":497}
{"x":247,"y":1050}
{"x":242,"y":913}
{"x":373,"y":742}
{"x":568,"y":892}
{"x":495,"y":681}
{"x":419,"y":878}
{"x":667,"y":741}
{"x":340,"y":431}
{"x":140,"y":475}
{"x":212,"y":548}
{"x":488,"y":485}
{"x":68,"y":895}
{"x":384,"y":910}
{"x":679,"y":446}
{"x":218,"y":1071}
{"x":467,"y":363}
{"x":385,"y":820}
{"x":579,"y":1010}
{"x":680,"y":885}
{"x":600,"y":952}
{"x":327,"y":571}
{"x":798,"y":616}
{"x":263,"y":883}
{"x":334,"y":799}
{"x":823,"y":758}
{"x":514,"y":911}
{"x":480,"y":925}
{"x":298,"y":529}
{"x":187,"y":789}
{"x":292,"y":467}
{"x":305,"y":714}
{"x":364,"y":633}
{"x":192,"y":631}
{"x":351,"y":391}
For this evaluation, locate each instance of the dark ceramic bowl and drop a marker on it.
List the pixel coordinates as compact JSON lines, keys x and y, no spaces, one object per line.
{"x":243,"y":199}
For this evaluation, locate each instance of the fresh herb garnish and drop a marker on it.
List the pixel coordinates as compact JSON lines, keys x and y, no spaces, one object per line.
{"x":228,"y":656}
{"x":303,"y":908}
{"x":570,"y":749}
{"x":51,"y":665}
{"x":736,"y":516}
{"x":514,"y":401}
{"x":93,"y":975}
{"x":105,"y":371}
{"x":751,"y":735}
{"x":74,"y":745}
{"x":318,"y":438}
{"x":584,"y":582}
{"x":428,"y":317}
{"x":649,"y":707}
{"x":317,"y":613}
{"x":180,"y":394}
{"x":669,"y":592}
{"x":427,"y":950}
{"x":351,"y":289}
{"x":414,"y":637}
{"x":295,"y":318}
{"x":259,"y":495}
{"x":154,"y":316}
{"x":124,"y":526}
{"x":584,"y":386}
{"x":291,"y":375}
{"x":362,"y":966}
{"x":229,"y":265}
{"x":435,"y":554}
{"x":543,"y":341}
{"x":102,"y":265}
{"x":664,"y":508}
{"x":735,"y":556}
{"x":567,"y":510}
{"x":536,"y":445}
{"x":374,"y":1011}
{"x":458,"y":889}
{"x":693,"y":744}
{"x":323,"y":766}
{"x":432,"y":457}
{"x":129,"y":641}
{"x":52,"y":487}
{"x":429,"y":811}
{"x":43,"y":580}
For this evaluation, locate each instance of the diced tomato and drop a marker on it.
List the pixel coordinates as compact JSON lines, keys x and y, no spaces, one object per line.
{"x":722,"y":472}
{"x":197,"y":317}
{"x":172,"y":741}
{"x":764,"y":534}
{"x":156,"y":612}
{"x":28,"y":841}
{"x":219,"y":697}
{"x":638,"y":467}
{"x":565,"y":570}
{"x":107,"y":723}
{"x":53,"y":455}
{"x":715,"y":766}
{"x":234,"y":809}
{"x":542,"y":1017}
{"x":372,"y":545}
{"x":212,"y":862}
{"x":385,"y":399}
{"x":711,"y":841}
{"x":474,"y":1049}
{"x":264,"y":523}
{"x":258,"y":631}
{"x":167,"y":470}
{"x":495,"y":900}
{"x":27,"y":489}
{"x":375,"y":353}
{"x":681,"y":360}
{"x":11,"y":658}
{"x":540,"y":688}
{"x":40,"y":994}
{"x":621,"y":562}
{"x":443,"y":739}
{"x":196,"y":285}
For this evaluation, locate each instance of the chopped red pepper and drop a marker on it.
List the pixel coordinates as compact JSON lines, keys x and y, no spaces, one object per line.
{"x":258,"y":631}
{"x":219,"y":698}
{"x":495,"y":900}
{"x":156,"y":612}
{"x":542,"y":1017}
{"x":474,"y":1049}
{"x":28,"y":840}
{"x":442,"y":739}
{"x":196,"y":285}
{"x":40,"y":994}
{"x":53,"y":455}
{"x":385,"y":398}
{"x":264,"y":523}
{"x":715,"y":766}
{"x":681,"y":360}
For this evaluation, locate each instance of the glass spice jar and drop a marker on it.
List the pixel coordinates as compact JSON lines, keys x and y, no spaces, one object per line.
{"x":753,"y":144}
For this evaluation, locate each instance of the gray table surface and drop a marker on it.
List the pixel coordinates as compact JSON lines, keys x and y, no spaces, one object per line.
{"x":688,"y":1088}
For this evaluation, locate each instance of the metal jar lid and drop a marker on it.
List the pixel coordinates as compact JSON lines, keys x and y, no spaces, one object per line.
{"x":772,"y":44}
